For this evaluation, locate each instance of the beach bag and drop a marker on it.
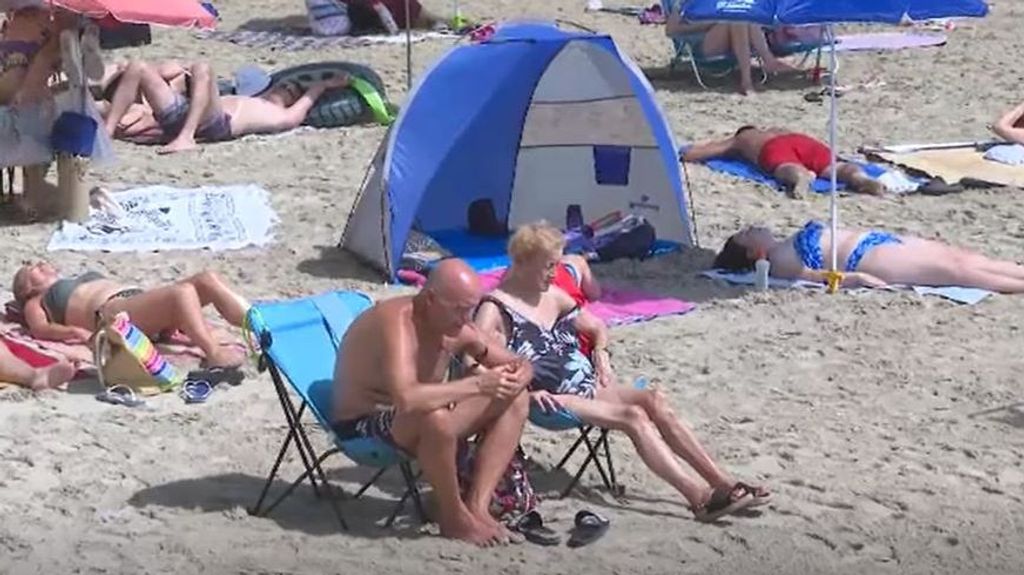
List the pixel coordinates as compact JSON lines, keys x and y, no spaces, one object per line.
{"x":514,"y":496}
{"x":124,"y":355}
{"x":630,"y":237}
{"x":482,"y":220}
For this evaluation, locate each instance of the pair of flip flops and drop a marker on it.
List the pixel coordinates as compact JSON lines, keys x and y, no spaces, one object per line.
{"x":120,"y":395}
{"x":196,"y":391}
{"x":588,"y":527}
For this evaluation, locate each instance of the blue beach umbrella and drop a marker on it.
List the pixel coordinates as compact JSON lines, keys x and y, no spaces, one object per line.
{"x":829,"y":12}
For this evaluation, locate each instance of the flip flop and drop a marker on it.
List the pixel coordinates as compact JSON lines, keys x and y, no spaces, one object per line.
{"x":196,"y":391}
{"x":589,"y":528}
{"x":532,"y":527}
{"x":760,"y":494}
{"x":721,"y":503}
{"x":120,"y":395}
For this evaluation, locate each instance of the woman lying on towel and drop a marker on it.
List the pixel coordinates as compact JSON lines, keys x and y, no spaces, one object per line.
{"x":540,"y":321}
{"x":14,"y":370}
{"x":868,"y":258}
{"x":70,"y":309}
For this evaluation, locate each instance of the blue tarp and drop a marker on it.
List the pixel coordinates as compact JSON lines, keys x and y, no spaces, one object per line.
{"x":796,"y":12}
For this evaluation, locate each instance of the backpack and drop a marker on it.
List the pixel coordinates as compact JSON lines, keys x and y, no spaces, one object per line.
{"x":632,"y":237}
{"x":513,"y":497}
{"x":482,"y":220}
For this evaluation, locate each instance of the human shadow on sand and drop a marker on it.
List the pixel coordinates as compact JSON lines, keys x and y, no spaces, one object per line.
{"x":336,"y":263}
{"x":682,"y":80}
{"x":300,"y":511}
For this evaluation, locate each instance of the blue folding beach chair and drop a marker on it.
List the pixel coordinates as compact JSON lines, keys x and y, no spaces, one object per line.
{"x":299,"y":340}
{"x":565,"y":420}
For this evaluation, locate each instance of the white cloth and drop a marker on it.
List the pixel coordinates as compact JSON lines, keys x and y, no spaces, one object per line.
{"x":1010,"y":154}
{"x":164,"y":218}
{"x":328,"y":17}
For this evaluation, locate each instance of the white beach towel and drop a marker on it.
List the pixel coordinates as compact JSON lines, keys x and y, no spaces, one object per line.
{"x":158,"y":218}
{"x":1009,"y":154}
{"x":964,"y":295}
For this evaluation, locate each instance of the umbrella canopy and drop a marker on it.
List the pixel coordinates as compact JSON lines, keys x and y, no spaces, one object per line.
{"x":796,"y":12}
{"x":181,"y":13}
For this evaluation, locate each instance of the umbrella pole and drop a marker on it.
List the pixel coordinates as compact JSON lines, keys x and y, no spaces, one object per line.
{"x":834,"y":277}
{"x":408,"y":48}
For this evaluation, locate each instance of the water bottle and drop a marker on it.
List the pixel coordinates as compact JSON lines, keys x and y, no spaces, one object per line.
{"x":761,"y":269}
{"x":386,"y":18}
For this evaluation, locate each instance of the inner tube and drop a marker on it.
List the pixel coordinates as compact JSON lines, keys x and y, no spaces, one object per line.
{"x":338,"y":107}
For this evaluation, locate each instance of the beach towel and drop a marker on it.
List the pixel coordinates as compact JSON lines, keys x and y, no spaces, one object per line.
{"x":157,"y":218}
{"x":287,"y":39}
{"x":957,"y":165}
{"x":886,"y":41}
{"x":964,"y":295}
{"x":748,"y":171}
{"x":618,"y":306}
{"x":1009,"y":154}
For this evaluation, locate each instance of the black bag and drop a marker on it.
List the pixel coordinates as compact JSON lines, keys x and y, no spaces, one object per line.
{"x":634,"y":241}
{"x":482,"y":219}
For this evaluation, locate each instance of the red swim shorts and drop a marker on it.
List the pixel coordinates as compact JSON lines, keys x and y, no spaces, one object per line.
{"x":795,"y":149}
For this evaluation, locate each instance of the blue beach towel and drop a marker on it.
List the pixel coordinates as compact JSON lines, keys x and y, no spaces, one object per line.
{"x":964,"y":295}
{"x":742,"y":169}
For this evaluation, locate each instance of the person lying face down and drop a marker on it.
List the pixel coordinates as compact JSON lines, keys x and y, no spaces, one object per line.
{"x":203,"y":115}
{"x":538,"y":321}
{"x":70,"y":309}
{"x":389,"y":385}
{"x":869,"y":258}
{"x":792,"y":158}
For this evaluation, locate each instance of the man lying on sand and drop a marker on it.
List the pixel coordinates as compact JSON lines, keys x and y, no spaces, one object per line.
{"x":869,"y":258}
{"x":13,"y":370}
{"x":1010,"y":126}
{"x":70,"y":309}
{"x":388,"y":385}
{"x":535,"y":318}
{"x":204,"y":115}
{"x":792,"y":158}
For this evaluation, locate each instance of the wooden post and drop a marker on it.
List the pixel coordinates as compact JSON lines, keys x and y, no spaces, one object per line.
{"x":73,"y":203}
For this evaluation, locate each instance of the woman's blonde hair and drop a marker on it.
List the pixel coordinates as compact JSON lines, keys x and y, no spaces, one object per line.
{"x":530,"y":240}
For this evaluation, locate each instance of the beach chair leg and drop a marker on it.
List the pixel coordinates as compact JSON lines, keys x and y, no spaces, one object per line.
{"x":316,"y":468}
{"x":572,"y":450}
{"x":592,"y":457}
{"x":410,"y":491}
{"x":256,"y":509}
{"x":696,"y":72}
{"x":614,"y":486}
{"x":370,"y":483}
{"x":294,"y":418}
{"x":412,"y":481}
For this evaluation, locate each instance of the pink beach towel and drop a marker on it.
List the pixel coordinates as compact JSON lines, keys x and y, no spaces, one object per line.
{"x":618,"y":306}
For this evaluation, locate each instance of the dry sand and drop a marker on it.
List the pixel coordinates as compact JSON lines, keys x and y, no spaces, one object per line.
{"x":856,"y":409}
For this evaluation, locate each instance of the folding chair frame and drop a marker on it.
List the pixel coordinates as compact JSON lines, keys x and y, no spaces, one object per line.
{"x":594,"y":449}
{"x":312,"y":463}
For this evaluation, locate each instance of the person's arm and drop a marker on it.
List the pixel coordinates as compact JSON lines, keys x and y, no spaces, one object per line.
{"x":676,"y":25}
{"x":486,"y":343}
{"x":293,"y":116}
{"x":708,"y":150}
{"x":35,"y":86}
{"x":40,"y":327}
{"x":587,"y":282}
{"x":1010,"y":127}
{"x":596,"y":329}
{"x":410,"y":395}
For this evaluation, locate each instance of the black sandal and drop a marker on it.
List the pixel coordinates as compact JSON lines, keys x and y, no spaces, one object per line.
{"x":722,"y":503}
{"x":532,"y":527}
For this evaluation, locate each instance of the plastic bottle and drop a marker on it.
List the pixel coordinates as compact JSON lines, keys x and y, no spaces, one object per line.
{"x":761,"y":269}
{"x":386,"y":17}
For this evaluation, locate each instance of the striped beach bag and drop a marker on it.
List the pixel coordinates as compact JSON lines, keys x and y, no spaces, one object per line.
{"x":125,"y":356}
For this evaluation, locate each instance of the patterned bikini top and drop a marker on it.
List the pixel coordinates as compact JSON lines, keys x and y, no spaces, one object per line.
{"x":558,"y":364}
{"x":807,"y":243}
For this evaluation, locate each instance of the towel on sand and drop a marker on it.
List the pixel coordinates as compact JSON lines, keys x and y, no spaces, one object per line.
{"x":964,"y":295}
{"x":1009,"y":154}
{"x":164,"y":218}
{"x":748,"y":171}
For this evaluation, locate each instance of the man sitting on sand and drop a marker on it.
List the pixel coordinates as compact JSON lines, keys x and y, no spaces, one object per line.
{"x":792,"y":158}
{"x":1010,"y":126}
{"x":14,"y":370}
{"x":204,"y":115}
{"x":388,"y":385}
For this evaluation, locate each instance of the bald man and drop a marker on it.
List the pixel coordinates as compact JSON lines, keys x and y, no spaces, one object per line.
{"x":389,"y":385}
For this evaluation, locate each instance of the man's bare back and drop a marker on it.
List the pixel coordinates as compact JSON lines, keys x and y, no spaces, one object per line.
{"x":748,"y":143}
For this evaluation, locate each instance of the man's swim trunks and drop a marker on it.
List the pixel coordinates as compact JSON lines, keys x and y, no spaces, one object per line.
{"x":376,"y":425}
{"x":795,"y":149}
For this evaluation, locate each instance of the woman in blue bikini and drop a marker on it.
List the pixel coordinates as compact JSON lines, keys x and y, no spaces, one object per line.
{"x":869,"y":258}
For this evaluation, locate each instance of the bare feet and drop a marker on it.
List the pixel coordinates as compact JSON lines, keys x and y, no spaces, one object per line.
{"x":178,"y":145}
{"x":52,"y":377}
{"x":746,"y":87}
{"x":776,"y":66}
{"x":871,"y":187}
{"x":501,"y":533}
{"x":802,"y":186}
{"x":225,"y":358}
{"x":468,"y":528}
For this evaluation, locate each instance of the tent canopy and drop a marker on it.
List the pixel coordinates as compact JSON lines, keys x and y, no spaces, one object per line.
{"x":796,"y":12}
{"x":534,"y":119}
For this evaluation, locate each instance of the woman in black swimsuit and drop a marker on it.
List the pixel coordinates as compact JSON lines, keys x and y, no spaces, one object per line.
{"x":541,"y":322}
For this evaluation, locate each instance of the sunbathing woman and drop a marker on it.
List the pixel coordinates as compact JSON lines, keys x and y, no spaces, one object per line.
{"x":869,"y":259}
{"x":540,"y":321}
{"x":69,"y":309}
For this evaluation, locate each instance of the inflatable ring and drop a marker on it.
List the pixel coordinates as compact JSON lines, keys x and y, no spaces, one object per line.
{"x":341,"y":107}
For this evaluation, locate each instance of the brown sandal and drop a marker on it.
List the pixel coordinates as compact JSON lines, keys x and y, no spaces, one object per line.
{"x":722,"y":503}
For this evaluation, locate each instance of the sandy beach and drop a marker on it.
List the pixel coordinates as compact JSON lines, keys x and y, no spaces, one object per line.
{"x":883,"y":422}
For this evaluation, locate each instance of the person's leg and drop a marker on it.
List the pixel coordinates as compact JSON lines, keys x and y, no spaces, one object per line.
{"x":796,"y":178}
{"x":853,"y":176}
{"x":759,"y":42}
{"x":14,"y":370}
{"x":739,"y":43}
{"x":126,"y":93}
{"x":653,"y":450}
{"x":495,"y":451}
{"x":677,"y":435}
{"x":204,"y":106}
{"x":212,"y":290}
{"x":433,"y":438}
{"x":174,"y":307}
{"x":916,"y":261}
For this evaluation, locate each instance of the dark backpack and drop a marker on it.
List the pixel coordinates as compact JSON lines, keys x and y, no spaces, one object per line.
{"x":482,"y":219}
{"x":634,"y":240}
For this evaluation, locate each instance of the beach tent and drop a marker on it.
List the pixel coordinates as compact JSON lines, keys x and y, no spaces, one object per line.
{"x":535,"y":119}
{"x":829,"y":12}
